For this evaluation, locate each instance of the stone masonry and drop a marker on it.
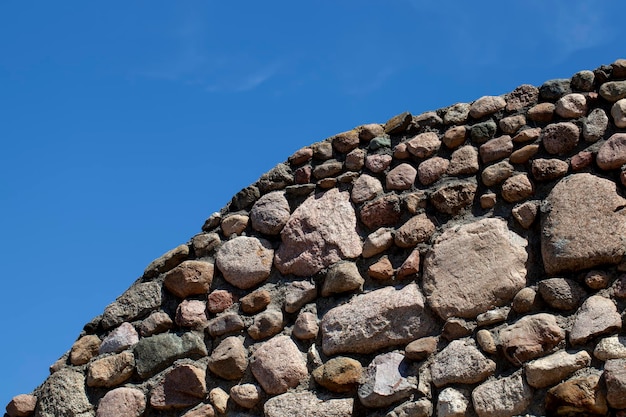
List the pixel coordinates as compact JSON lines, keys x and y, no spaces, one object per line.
{"x":467,"y":261}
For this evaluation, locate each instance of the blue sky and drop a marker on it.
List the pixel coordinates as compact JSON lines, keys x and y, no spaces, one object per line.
{"x":124,"y":125}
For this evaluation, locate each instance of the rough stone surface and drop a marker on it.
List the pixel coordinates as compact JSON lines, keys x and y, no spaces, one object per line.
{"x":331,"y":235}
{"x":84,"y":349}
{"x":486,"y":105}
{"x":192,"y":313}
{"x":224,"y":324}
{"x":22,"y":405}
{"x":156,"y":322}
{"x":548,"y":169}
{"x":618,"y":111}
{"x":457,"y":114}
{"x":424,"y":145}
{"x":111,"y":370}
{"x":255,"y":301}
{"x":124,"y":401}
{"x":246,"y":395}
{"x":307,"y":404}
{"x":229,"y":359}
{"x":278,"y":365}
{"x":571,"y":106}
{"x":615,"y":377}
{"x":297,"y":294}
{"x":119,"y":339}
{"x":597,"y":316}
{"x":571,"y":242}
{"x":581,"y":396}
{"x":496,"y":173}
{"x":137,"y":301}
{"x":464,"y":161}
{"x":473,"y":268}
{"x":452,"y":403}
{"x":612,"y":153}
{"x":339,"y":374}
{"x":560,"y":138}
{"x":306,"y":326}
{"x":384,"y":381}
{"x":561,"y":293}
{"x":432,"y":169}
{"x":612,"y":347}
{"x":523,"y":96}
{"x":552,"y":369}
{"x":503,"y":397}
{"x":421,"y":348}
{"x":401,"y":177}
{"x":595,"y":125}
{"x":517,"y":188}
{"x":530,"y":337}
{"x":155,"y":353}
{"x":382,"y":318}
{"x":454,"y":197}
{"x":342,"y":277}
{"x":270,"y":213}
{"x":384,"y":211}
{"x":63,"y":394}
{"x":266,"y":324}
{"x":460,"y":362}
{"x":417,"y":229}
{"x":182,"y":387}
{"x":219,"y":300}
{"x":496,"y":149}
{"x":189,"y":278}
{"x":245,"y":261}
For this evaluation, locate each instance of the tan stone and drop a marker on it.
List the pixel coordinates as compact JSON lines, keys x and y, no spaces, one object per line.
{"x":111,"y":370}
{"x":381,"y":269}
{"x":125,"y":401}
{"x":523,"y":154}
{"x":424,"y":145}
{"x":530,"y":337}
{"x":580,"y":395}
{"x":234,"y":224}
{"x":486,"y":105}
{"x":278,"y":365}
{"x":417,"y":229}
{"x":183,"y":386}
{"x":517,"y":188}
{"x":22,"y":405}
{"x":189,"y":278}
{"x":339,"y":374}
{"x":84,"y":349}
{"x":554,"y":368}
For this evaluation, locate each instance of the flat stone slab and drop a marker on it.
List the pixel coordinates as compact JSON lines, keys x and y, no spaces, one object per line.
{"x":307,"y":404}
{"x":384,"y":381}
{"x":583,"y":224}
{"x":473,"y":268}
{"x":379,"y":319}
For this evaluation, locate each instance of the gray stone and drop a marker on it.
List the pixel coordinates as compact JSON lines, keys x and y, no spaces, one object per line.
{"x":530,"y":337}
{"x":245,"y":261}
{"x":366,"y":188}
{"x":382,"y":318}
{"x":503,"y":397}
{"x":496,"y":173}
{"x":155,"y":353}
{"x":63,"y":394}
{"x":554,"y":368}
{"x":612,"y":347}
{"x":615,"y":377}
{"x":385,"y":381}
{"x":278,"y":365}
{"x":561,"y":293}
{"x":156,"y":322}
{"x":583,"y":80}
{"x":460,"y":363}
{"x":167,"y":261}
{"x":618,"y":111}
{"x":278,"y":177}
{"x":419,"y":408}
{"x":299,"y":293}
{"x":582,"y":224}
{"x":474,"y":268}
{"x":482,"y":132}
{"x":266,"y":324}
{"x":595,"y":125}
{"x":613,"y":90}
{"x":319,"y":233}
{"x":597,"y":316}
{"x":555,"y":89}
{"x":270,"y":213}
{"x":229,"y":359}
{"x":307,"y":404}
{"x":139,"y":300}
{"x":457,"y":114}
{"x":452,"y":403}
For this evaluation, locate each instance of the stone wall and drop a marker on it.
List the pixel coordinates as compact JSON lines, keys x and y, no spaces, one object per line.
{"x":465,"y":261}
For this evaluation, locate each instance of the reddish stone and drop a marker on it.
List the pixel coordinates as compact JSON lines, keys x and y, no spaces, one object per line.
{"x":302,"y":175}
{"x":255,"y":301}
{"x":560,"y":138}
{"x":127,"y":402}
{"x":184,"y":386}
{"x":378,"y":163}
{"x":220,"y":300}
{"x":278,"y":365}
{"x":401,"y":177}
{"x":301,"y":156}
{"x":432,"y":169}
{"x":192,"y":313}
{"x":581,"y":160}
{"x":346,"y":141}
{"x":410,"y":266}
{"x":189,"y":278}
{"x":382,"y":269}
{"x":496,"y":149}
{"x":384,"y":211}
{"x":612,"y":153}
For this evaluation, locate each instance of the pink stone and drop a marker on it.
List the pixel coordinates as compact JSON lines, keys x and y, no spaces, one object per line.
{"x":22,"y":405}
{"x":378,"y":163}
{"x":189,"y":278}
{"x":401,"y":177}
{"x":384,"y":211}
{"x":496,"y":149}
{"x":119,"y":339}
{"x":486,"y":105}
{"x":424,"y":145}
{"x":278,"y":365}
{"x":192,"y":313}
{"x":184,"y":386}
{"x":612,"y":154}
{"x":220,"y":300}
{"x":365,"y":188}
{"x":245,"y":261}
{"x":432,"y":169}
{"x":127,"y":402}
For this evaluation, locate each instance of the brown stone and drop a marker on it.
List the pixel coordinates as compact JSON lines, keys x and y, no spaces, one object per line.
{"x":496,"y":173}
{"x":615,"y":377}
{"x":486,"y":105}
{"x":523,"y":96}
{"x":457,"y":113}
{"x":488,"y":200}
{"x":401,"y":177}
{"x":301,"y":156}
{"x":527,"y":135}
{"x":456,"y":328}
{"x":398,"y":123}
{"x":523,"y":154}
{"x":183,"y":386}
{"x":454,"y":137}
{"x":512,"y":124}
{"x":124,"y":401}
{"x":577,"y":396}
{"x":255,"y":301}
{"x":365,"y":188}
{"x":517,"y":188}
{"x":525,"y":213}
{"x":410,"y":266}
{"x":495,"y":149}
{"x":597,"y":279}
{"x":22,"y":405}
{"x":549,"y":169}
{"x":503,"y":397}
{"x":246,"y":395}
{"x":381,"y":269}
{"x":219,"y":300}
{"x":370,"y":131}
{"x":278,"y":365}
{"x":303,"y":174}
{"x":561,"y":293}
{"x":541,"y":113}
{"x":424,"y":145}
{"x":229,"y":359}
{"x":461,"y":363}
{"x":378,"y":163}
{"x":346,"y":141}
{"x":618,"y":111}
{"x":205,"y":243}
{"x":384,"y":211}
{"x":581,"y":160}
{"x":111,"y":370}
{"x":84,"y":349}
{"x":400,"y":151}
{"x":530,"y":337}
{"x":597,"y":316}
{"x":560,"y":138}
{"x":552,"y":369}
{"x":464,"y":161}
{"x":339,"y":374}
{"x":452,"y":198}
{"x":266,"y":324}
{"x":342,"y":277}
{"x":355,"y":160}
{"x":192,"y":313}
{"x":612,"y":153}
{"x":234,"y":224}
{"x":420,"y":349}
{"x":203,"y":410}
{"x":299,"y":293}
{"x":219,"y":398}
{"x":526,"y":301}
{"x":226,"y":323}
{"x":417,"y":229}
{"x":432,"y":169}
{"x":306,"y":326}
{"x":167,"y":261}
{"x":245,"y":261}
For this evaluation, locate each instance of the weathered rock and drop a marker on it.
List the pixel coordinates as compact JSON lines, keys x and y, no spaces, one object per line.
{"x":504,"y":397}
{"x":119,"y":339}
{"x":486,"y":341}
{"x":281,"y":176}
{"x":526,"y":300}
{"x":496,"y":315}
{"x":167,"y":261}
{"x":63,"y":394}
{"x":278,"y":365}
{"x":555,"y":89}
{"x":124,"y":401}
{"x":464,"y":161}
{"x":527,"y":135}
{"x":155,"y":353}
{"x":581,"y":396}
{"x":255,"y":301}
{"x":246,"y":395}
{"x":224,"y":324}
{"x":378,"y":163}
{"x":244,"y":198}
{"x":523,"y":96}
{"x":327,"y":169}
{"x":266,"y":324}
{"x":84,"y":349}
{"x":482,"y":132}
{"x":299,"y":293}
{"x":530,"y":337}
{"x":597,"y":316}
{"x":342,"y":277}
{"x":456,"y":328}
{"x":137,"y":301}
{"x":613,"y":90}
{"x":384,"y":381}
{"x":452,"y":403}
{"x":307,"y":404}
{"x":571,"y":106}
{"x":420,"y":349}
{"x":401,"y":177}
{"x":457,"y":114}
{"x":182,"y":387}
{"x":410,"y":266}
{"x":301,"y":156}
{"x":234,"y":224}
{"x":615,"y":377}
{"x":474,"y":268}
{"x":595,"y":125}
{"x":365,"y":188}
{"x":398,"y":123}
{"x":306,"y":326}
{"x":554,"y":368}
{"x":22,"y":405}
{"x":512,"y":124}
{"x":219,"y":398}
{"x":549,"y":169}
{"x":460,"y":363}
{"x":382,"y":318}
{"x":486,"y":105}
{"x":523,"y":154}
{"x":612,"y":347}
{"x":571,"y":242}
{"x":320,"y":232}
{"x":560,"y":138}
{"x":229,"y":359}
{"x":454,"y":137}
{"x":488,"y":200}
{"x":156,"y":322}
{"x":192,"y":313}
{"x":370,"y":131}
{"x":203,"y":410}
{"x":381,"y":269}
{"x":417,"y":229}
{"x":377,"y":242}
{"x":618,"y":111}
{"x":205,"y":243}
{"x":415,"y":201}
{"x":517,"y":188}
{"x":270,"y":213}
{"x":339,"y":374}
{"x":496,"y":173}
{"x":495,"y":149}
{"x":454,"y":197}
{"x":419,"y":408}
{"x":432,"y":169}
{"x":541,"y":113}
{"x":612,"y":153}
{"x":219,"y":300}
{"x":561,"y":293}
{"x":525,"y":213}
{"x":384,"y":211}
{"x":245,"y":261}
{"x":424,"y":145}
{"x":597,"y":280}
{"x":583,"y":80}
{"x":111,"y":370}
{"x":355,"y":160}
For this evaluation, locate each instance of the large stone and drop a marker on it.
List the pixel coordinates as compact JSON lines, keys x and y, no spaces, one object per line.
{"x":111,"y":370}
{"x":615,"y":377}
{"x":503,"y":397}
{"x":127,"y":402}
{"x":182,"y":387}
{"x":594,"y":125}
{"x":339,"y":374}
{"x":424,"y":145}
{"x":612,"y":153}
{"x":139,"y":300}
{"x":571,"y":106}
{"x":417,"y":229}
{"x":618,"y":111}
{"x":246,"y":395}
{"x":561,"y":293}
{"x":486,"y":105}
{"x":225,"y":323}
{"x":530,"y":337}
{"x":155,"y":353}
{"x":578,"y":396}
{"x":452,"y":403}
{"x":278,"y":365}
{"x":63,"y":394}
{"x":167,"y":261}
{"x":307,"y":404}
{"x":464,"y":161}
{"x":320,"y":232}
{"x":583,"y":225}
{"x":495,"y":149}
{"x":385,"y":381}
{"x":382,"y":318}
{"x":189,"y":278}
{"x":473,"y":268}
{"x":554,"y":368}
{"x":156,"y":322}
{"x":192,"y":313}
{"x":613,"y":90}
{"x":229,"y":359}
{"x":245,"y":261}
{"x":597,"y":316}
{"x":460,"y":363}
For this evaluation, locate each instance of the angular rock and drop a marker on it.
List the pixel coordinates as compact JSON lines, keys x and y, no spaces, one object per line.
{"x":452,"y":403}
{"x":571,"y":241}
{"x":523,"y":96}
{"x":424,"y":145}
{"x":571,"y":106}
{"x":155,"y":353}
{"x":517,"y":188}
{"x":301,"y":156}
{"x":377,"y":242}
{"x":612,"y":153}
{"x":192,"y":313}
{"x":496,"y":173}
{"x":63,"y":394}
{"x":381,"y":269}
{"x":339,"y":374}
{"x":527,"y":135}
{"x":156,"y":322}
{"x":84,"y":349}
{"x":365,"y":188}
{"x":342,"y":277}
{"x":612,"y":347}
{"x":266,"y":324}
{"x":370,"y":131}
{"x":245,"y":197}
{"x":460,"y":363}
{"x":167,"y":261}
{"x":504,"y":397}
{"x":229,"y":359}
{"x":561,"y":293}
{"x":464,"y":161}
{"x":495,"y":149}
{"x":306,"y":326}
{"x":597,"y":316}
{"x":119,"y":339}
{"x":525,"y":213}
{"x":398,"y":123}
{"x":299,"y":293}
{"x":255,"y":301}
{"x":401,"y":177}
{"x":486,"y":105}
{"x":245,"y":261}
{"x":552,"y":369}
{"x":384,"y":381}
{"x":456,"y":328}
{"x":555,"y":89}
{"x":224,"y":324}
{"x":279,"y":177}
{"x":278,"y":365}
{"x":382,"y":318}
{"x":355,"y":160}
{"x":530,"y":337}
{"x":417,"y":229}
{"x":454,"y":197}
{"x":246,"y":395}
{"x":615,"y":377}
{"x":346,"y":141}
{"x":581,"y":160}
{"x":139,"y":300}
{"x":270,"y":213}
{"x":22,"y":405}
{"x":319,"y":233}
{"x":219,"y":300}
{"x":307,"y":404}
{"x":549,"y":169}
{"x":384,"y":211}
{"x":581,"y":396}
{"x":184,"y":386}
{"x":111,"y":370}
{"x":410,"y":266}
{"x":583,"y":80}
{"x":127,"y":402}
{"x":474,"y":268}
{"x":595,"y":125}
